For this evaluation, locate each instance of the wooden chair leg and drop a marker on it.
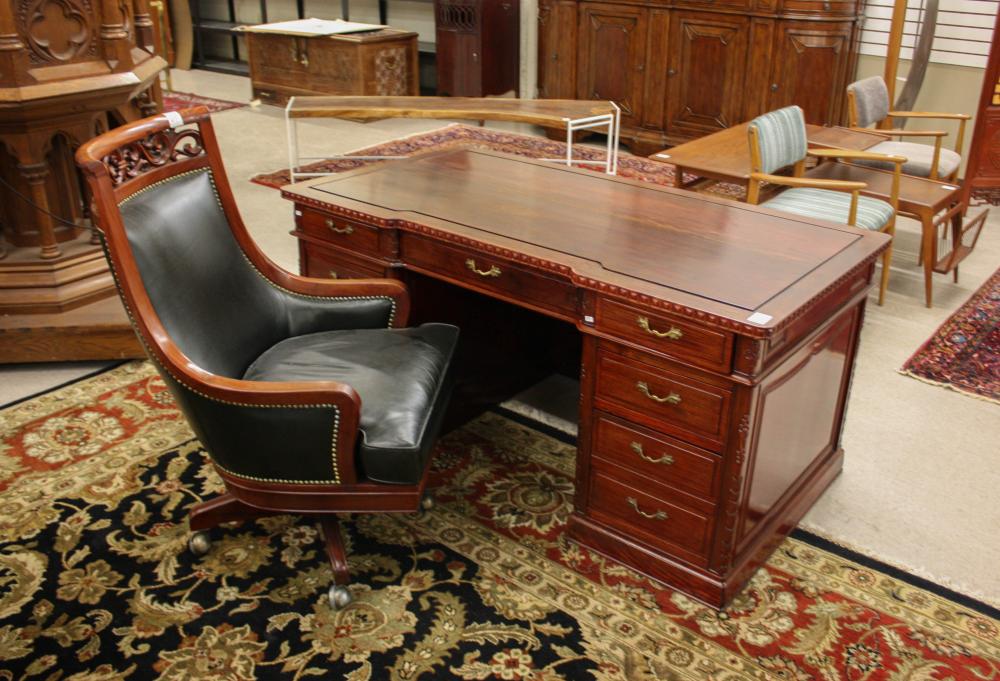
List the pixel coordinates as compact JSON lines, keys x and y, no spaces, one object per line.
{"x":335,"y":549}
{"x":886,"y":261}
{"x":224,"y":508}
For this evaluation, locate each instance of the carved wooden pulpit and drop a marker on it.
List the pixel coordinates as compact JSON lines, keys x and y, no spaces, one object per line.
{"x":69,"y":69}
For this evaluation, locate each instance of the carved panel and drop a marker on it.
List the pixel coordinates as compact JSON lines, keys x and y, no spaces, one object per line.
{"x":392,"y":71}
{"x":157,"y":149}
{"x":57,"y":31}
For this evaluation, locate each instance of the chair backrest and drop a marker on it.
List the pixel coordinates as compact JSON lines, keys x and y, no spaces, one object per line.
{"x":869,"y":101}
{"x":780,"y":139}
{"x":173,"y":236}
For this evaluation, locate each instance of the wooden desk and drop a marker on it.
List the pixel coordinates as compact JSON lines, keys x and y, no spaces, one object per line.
{"x":724,"y":156}
{"x":718,"y":338}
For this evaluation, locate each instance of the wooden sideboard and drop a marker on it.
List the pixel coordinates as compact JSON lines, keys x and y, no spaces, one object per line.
{"x":718,"y":339}
{"x":681,"y":69}
{"x":376,"y":63}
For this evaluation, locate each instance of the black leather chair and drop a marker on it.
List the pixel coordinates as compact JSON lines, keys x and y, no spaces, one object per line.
{"x":309,"y":395}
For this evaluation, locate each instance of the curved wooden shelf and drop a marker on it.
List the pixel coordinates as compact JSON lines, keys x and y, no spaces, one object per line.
{"x":544,"y":112}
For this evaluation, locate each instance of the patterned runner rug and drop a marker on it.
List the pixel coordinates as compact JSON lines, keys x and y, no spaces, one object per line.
{"x":459,"y":135}
{"x":174,"y":101}
{"x":96,"y":581}
{"x":964,"y":353}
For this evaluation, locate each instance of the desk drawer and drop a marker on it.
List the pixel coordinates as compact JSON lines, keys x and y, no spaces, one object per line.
{"x":657,"y":457}
{"x":339,"y":232}
{"x":646,"y":516}
{"x":331,"y":264}
{"x":673,"y":400}
{"x":666,"y":334}
{"x":492,"y":274}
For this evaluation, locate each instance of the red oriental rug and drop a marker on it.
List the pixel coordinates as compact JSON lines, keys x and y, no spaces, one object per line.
{"x":964,"y":353}
{"x":458,"y":135}
{"x":96,"y":581}
{"x":174,"y":101}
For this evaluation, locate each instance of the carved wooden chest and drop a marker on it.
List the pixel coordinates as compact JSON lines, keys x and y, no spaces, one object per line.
{"x":377,"y":63}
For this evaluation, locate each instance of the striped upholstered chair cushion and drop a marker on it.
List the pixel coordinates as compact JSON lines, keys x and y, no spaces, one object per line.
{"x":781,"y":136}
{"x":871,"y":98}
{"x":833,"y":206}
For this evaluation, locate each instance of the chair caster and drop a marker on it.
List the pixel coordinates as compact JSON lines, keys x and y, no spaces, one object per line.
{"x":199,"y":543}
{"x":426,"y":502}
{"x":339,"y":597}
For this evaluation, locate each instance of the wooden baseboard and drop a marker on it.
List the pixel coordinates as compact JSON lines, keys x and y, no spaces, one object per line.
{"x":98,"y":330}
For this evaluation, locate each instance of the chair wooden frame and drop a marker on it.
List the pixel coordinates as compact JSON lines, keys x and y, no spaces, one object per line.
{"x":884,"y":126}
{"x":119,"y":164}
{"x":758,"y":178}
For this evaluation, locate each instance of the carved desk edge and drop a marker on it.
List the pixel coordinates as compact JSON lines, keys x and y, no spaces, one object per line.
{"x":302,"y":193}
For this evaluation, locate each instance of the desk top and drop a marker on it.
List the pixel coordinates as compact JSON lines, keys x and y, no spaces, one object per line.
{"x":725,"y":259}
{"x":726,"y":154}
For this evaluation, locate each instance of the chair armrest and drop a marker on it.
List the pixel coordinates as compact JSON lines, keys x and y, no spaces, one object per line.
{"x":856,"y":154}
{"x":348,"y":304}
{"x":916,"y":133}
{"x":272,"y":431}
{"x":836,"y":185}
{"x":930,"y":114}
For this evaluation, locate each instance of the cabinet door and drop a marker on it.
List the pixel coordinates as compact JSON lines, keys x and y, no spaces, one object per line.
{"x":612,"y":53}
{"x":708,"y":61}
{"x":811,"y":67}
{"x":557,"y":49}
{"x":459,"y":58}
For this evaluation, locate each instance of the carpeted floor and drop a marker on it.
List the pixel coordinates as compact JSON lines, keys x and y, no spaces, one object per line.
{"x":95,"y":581}
{"x":461,"y":135}
{"x":174,"y":101}
{"x":964,"y":353}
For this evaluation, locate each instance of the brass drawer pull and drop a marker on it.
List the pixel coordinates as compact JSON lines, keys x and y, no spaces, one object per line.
{"x":493,"y":271}
{"x":672,"y":398}
{"x":666,"y":459}
{"x":338,"y":230}
{"x":659,"y":515}
{"x":673,"y":333}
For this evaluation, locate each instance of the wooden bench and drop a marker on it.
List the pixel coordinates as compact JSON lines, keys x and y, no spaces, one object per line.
{"x":574,"y":115}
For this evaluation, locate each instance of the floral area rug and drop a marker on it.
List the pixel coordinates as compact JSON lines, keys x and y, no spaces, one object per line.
{"x":459,"y":135}
{"x":964,"y":353}
{"x":96,"y":581}
{"x":175,"y":101}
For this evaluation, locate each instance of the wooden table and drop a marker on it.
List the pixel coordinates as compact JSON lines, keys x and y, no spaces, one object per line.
{"x":724,"y":156}
{"x":718,"y":339}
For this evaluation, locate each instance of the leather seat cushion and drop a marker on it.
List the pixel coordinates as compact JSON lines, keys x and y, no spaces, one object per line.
{"x":918,"y":158}
{"x":401,"y":376}
{"x":834,"y":206}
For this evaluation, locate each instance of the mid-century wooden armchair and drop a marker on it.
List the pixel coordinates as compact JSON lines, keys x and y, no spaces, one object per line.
{"x":868,"y":104}
{"x":778,"y":141}
{"x":309,"y":395}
